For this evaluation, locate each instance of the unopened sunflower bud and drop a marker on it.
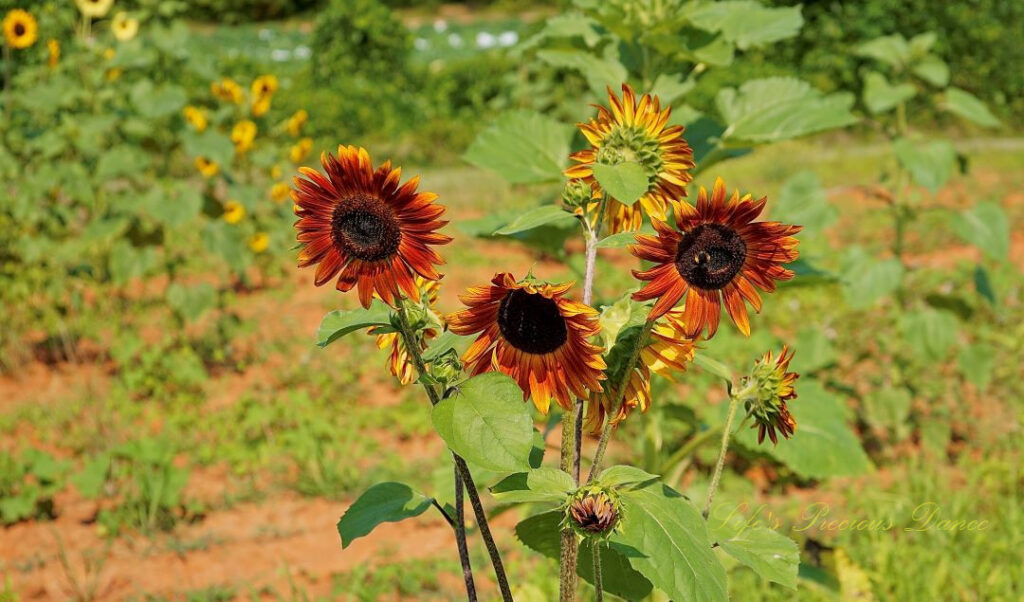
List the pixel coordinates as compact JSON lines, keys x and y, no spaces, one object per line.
{"x":765,"y":394}
{"x":593,"y":512}
{"x":577,"y":194}
{"x":446,"y":369}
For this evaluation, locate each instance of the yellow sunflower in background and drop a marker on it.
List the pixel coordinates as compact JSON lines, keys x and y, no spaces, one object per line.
{"x":260,"y":106}
{"x":280,"y":191}
{"x":207,"y":167}
{"x":233,"y":212}
{"x":124,"y":27}
{"x":296,"y":122}
{"x":196,"y":117}
{"x":243,"y":135}
{"x":399,"y":362}
{"x":20,"y":29}
{"x":531,"y":332}
{"x":300,"y":150}
{"x":53,"y":50}
{"x":259,"y":242}
{"x":636,"y":131}
{"x":264,"y":85}
{"x":666,"y":354}
{"x":94,"y":9}
{"x":774,"y":386}
{"x":227,"y":90}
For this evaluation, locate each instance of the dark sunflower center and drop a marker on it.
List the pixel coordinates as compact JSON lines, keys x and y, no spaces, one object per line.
{"x":710,"y":256}
{"x":19,"y":29}
{"x":365,"y":228}
{"x":531,"y":322}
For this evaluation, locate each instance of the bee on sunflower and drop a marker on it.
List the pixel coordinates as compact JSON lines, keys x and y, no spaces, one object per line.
{"x":715,"y":254}
{"x":20,"y":29}
{"x":360,"y":225}
{"x":638,"y":131}
{"x":530,"y":331}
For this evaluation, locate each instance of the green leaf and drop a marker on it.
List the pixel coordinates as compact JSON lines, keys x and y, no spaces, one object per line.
{"x":172,"y":205}
{"x":976,"y":364}
{"x":191,"y":302}
{"x":929,"y":332}
{"x":540,"y":532}
{"x":600,"y":72}
{"x":671,"y":87}
{"x":383,"y":503}
{"x":867,"y":279}
{"x":619,"y":316}
{"x":823,"y":444}
{"x":892,"y":50}
{"x":210,"y":144}
{"x":713,"y":366}
{"x":673,"y":543}
{"x":888,"y":409}
{"x":160,"y":101}
{"x":620,"y":476}
{"x":970,"y":107}
{"x":746,"y":23}
{"x":624,"y":239}
{"x":803,"y":201}
{"x":922,"y":43}
{"x":617,"y":576}
{"x":625,"y":182}
{"x":931,"y":166}
{"x":123,"y":160}
{"x":524,"y":147}
{"x":443,"y":344}
{"x":539,"y":485}
{"x":487,"y":423}
{"x":341,"y":322}
{"x":881,"y":96}
{"x":985,"y":226}
{"x":933,"y":70}
{"x":537,"y":217}
{"x":814,"y":351}
{"x":983,"y":284}
{"x":770,"y":554}
{"x":780,"y":108}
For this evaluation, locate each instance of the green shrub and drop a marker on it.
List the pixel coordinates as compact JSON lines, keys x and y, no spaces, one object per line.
{"x":359,"y":38}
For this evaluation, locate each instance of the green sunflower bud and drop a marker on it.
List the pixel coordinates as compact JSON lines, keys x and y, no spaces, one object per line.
{"x":576,"y":194}
{"x":593,"y":511}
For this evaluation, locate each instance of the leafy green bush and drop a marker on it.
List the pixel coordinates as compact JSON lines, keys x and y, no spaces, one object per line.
{"x":359,"y":37}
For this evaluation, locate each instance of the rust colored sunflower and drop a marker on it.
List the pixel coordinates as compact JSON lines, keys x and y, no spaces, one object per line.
{"x":631,"y":130}
{"x":773,"y":387}
{"x":531,"y":332}
{"x":666,"y":354}
{"x":718,"y":254}
{"x":360,"y":225}
{"x":398,"y":361}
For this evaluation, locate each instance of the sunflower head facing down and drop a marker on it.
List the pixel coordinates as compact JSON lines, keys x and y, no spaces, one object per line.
{"x":772,"y":387}
{"x":359,"y":224}
{"x":636,"y":131}
{"x":531,"y":332}
{"x":20,"y":29}
{"x":666,"y":353}
{"x":716,"y":254}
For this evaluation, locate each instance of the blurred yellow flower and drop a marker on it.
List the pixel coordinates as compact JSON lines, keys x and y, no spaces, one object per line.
{"x":207,"y":167}
{"x":280,"y":191}
{"x":54,"y":47}
{"x":259,"y":242}
{"x":20,"y":29}
{"x":296,"y":121}
{"x":260,"y":106}
{"x":275,"y":172}
{"x":196,"y":117}
{"x":301,"y":150}
{"x":124,"y":27}
{"x":113,"y":74}
{"x":233,"y":212}
{"x":94,"y":9}
{"x":243,"y":135}
{"x":227,"y":90}
{"x":264,"y":85}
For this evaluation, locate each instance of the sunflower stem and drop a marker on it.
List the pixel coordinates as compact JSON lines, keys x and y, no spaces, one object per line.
{"x":413,"y":348}
{"x":568,"y":550}
{"x":734,"y":402}
{"x":598,"y":585}
{"x":460,"y":538}
{"x":606,"y":432}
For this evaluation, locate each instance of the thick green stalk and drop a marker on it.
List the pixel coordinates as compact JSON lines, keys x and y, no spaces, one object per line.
{"x":568,"y":549}
{"x":598,"y":585}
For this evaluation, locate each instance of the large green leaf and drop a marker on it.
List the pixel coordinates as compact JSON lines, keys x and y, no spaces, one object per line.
{"x":985,"y":226}
{"x":538,"y":485}
{"x":670,"y":88}
{"x":969,"y":106}
{"x":600,"y":72}
{"x":157,"y":102}
{"x":540,"y":532}
{"x":341,"y":322}
{"x":747,"y":23}
{"x":625,"y":182}
{"x":621,"y":476}
{"x":780,"y":108}
{"x":624,"y":313}
{"x":867,"y":279}
{"x":976,"y":363}
{"x":673,"y":544}
{"x":487,"y":423}
{"x":210,"y":144}
{"x":892,"y":50}
{"x":933,"y":70}
{"x":888,"y":408}
{"x":823,"y":444}
{"x":770,"y":554}
{"x":122,"y":160}
{"x":930,"y":165}
{"x":382,"y":503}
{"x":617,"y":576}
{"x":929,"y":332}
{"x":535,"y":218}
{"x":803,"y":201}
{"x":881,"y":96}
{"x":523,"y":147}
{"x":190,"y":302}
{"x":172,"y":205}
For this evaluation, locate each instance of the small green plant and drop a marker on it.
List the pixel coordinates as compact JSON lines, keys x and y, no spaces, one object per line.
{"x":28,"y":483}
